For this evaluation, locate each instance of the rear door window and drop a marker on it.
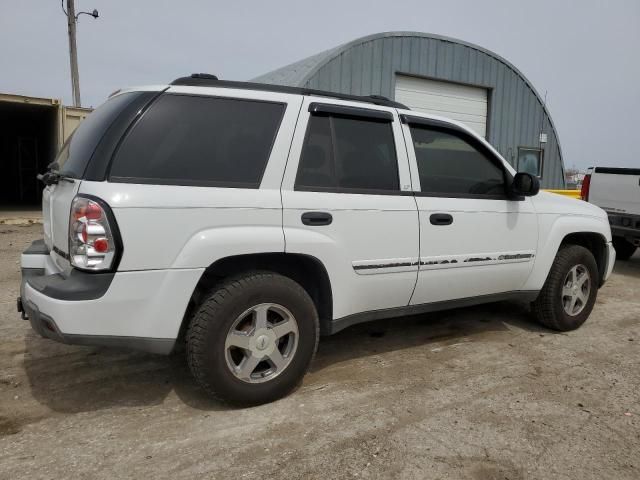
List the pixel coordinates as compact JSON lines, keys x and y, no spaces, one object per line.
{"x":349,"y":155}
{"x":200,"y":141}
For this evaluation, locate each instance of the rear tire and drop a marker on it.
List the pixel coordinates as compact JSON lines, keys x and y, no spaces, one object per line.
{"x":569,"y":293}
{"x":624,"y":248}
{"x":253,"y":338}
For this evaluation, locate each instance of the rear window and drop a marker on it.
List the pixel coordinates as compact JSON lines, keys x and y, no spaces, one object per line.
{"x":76,"y":152}
{"x":200,"y":141}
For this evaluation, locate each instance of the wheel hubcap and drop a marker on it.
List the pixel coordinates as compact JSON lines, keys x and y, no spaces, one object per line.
{"x":261,"y":343}
{"x":576,"y":290}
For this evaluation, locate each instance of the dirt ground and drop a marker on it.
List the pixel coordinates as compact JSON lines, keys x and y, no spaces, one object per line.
{"x":477,"y":393}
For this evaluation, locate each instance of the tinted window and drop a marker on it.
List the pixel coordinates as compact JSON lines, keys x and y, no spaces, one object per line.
{"x":77,"y":150}
{"x":189,"y":140}
{"x":450,"y":164}
{"x":345,"y":154}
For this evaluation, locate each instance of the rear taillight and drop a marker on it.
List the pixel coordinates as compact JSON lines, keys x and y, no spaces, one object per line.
{"x":92,"y":243}
{"x":584,"y":191}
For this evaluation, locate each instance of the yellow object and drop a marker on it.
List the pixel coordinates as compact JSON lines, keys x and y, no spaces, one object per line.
{"x":569,"y":193}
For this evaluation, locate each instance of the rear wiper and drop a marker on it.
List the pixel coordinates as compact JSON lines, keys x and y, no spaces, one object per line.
{"x":53,"y":177}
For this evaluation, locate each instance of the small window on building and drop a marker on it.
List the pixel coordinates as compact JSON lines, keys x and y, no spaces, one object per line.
{"x":348,"y":155}
{"x":530,"y":161}
{"x":200,"y":141}
{"x":450,"y":164}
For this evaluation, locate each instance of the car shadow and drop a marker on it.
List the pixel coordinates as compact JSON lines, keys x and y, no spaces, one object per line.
{"x":427,"y":330}
{"x":72,"y":379}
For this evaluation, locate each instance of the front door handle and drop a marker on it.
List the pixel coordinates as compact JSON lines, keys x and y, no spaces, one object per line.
{"x":316,"y":219}
{"x":441,"y":219}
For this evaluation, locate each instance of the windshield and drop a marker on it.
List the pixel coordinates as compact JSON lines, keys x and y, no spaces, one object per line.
{"x":76,"y":152}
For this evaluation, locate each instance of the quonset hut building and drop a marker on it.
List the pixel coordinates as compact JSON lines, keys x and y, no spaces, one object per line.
{"x":447,"y":77}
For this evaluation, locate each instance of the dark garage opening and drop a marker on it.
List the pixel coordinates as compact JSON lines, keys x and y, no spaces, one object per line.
{"x":28,"y":136}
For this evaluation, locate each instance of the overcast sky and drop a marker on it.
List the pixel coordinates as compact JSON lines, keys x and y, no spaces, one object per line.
{"x":585,"y":54}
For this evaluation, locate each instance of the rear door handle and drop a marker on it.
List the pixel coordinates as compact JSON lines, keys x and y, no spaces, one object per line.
{"x":441,"y":219}
{"x":316,"y":219}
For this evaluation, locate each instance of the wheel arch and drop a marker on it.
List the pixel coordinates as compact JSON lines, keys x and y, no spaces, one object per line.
{"x":590,"y":232}
{"x":595,"y":243}
{"x":306,"y":270}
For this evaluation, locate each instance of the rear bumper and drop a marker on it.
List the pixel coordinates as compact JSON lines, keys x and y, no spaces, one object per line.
{"x":48,"y":328}
{"x":140,"y":310}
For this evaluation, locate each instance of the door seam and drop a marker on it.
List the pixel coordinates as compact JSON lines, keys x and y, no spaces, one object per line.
{"x":284,"y":172}
{"x":415,"y":284}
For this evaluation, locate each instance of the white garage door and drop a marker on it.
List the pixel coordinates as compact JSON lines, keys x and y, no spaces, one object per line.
{"x":458,"y":102}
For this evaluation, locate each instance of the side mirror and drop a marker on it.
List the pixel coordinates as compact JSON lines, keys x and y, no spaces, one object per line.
{"x":525,"y":184}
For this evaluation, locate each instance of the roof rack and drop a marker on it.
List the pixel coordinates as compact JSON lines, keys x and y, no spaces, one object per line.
{"x":208,"y":80}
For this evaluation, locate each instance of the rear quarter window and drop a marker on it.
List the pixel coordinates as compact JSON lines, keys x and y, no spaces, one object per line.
{"x":199,"y":141}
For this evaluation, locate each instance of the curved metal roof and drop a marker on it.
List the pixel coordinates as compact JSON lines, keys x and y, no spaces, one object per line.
{"x":304,"y":72}
{"x":301,"y":71}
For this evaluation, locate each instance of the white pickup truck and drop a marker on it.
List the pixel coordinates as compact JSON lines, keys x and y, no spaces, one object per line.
{"x":617,"y":192}
{"x":245,"y":220}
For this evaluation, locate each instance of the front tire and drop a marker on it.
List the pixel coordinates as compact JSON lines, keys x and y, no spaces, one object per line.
{"x":569,"y":293}
{"x":624,"y":248}
{"x":253,"y":338}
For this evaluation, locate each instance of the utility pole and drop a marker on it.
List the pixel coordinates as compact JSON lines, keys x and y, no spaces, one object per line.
{"x":72,"y":20}
{"x":73,"y":53}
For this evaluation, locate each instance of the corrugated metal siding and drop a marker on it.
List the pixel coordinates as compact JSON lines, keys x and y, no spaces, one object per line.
{"x":368,"y":67}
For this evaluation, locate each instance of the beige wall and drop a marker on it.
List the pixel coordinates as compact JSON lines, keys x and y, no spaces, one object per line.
{"x":71,"y":118}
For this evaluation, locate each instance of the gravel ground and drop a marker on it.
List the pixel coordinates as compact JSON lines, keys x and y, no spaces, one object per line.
{"x":477,"y":393}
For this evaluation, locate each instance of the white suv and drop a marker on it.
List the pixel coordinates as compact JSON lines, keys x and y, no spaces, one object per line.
{"x":246,"y":220}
